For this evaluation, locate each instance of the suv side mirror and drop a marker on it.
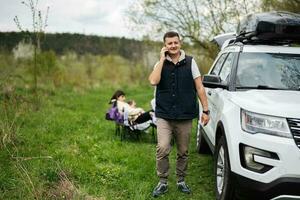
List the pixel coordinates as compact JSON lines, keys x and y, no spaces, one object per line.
{"x":213,"y":81}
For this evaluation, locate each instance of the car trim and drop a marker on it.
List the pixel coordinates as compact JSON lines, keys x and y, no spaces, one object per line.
{"x":211,"y":146}
{"x":252,"y":189}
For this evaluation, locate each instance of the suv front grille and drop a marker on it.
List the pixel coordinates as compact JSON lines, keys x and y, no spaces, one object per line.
{"x":294,"y":125}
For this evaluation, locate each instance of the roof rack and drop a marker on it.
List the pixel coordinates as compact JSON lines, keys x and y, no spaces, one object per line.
{"x":275,"y":27}
{"x":254,"y":40}
{"x":270,"y":28}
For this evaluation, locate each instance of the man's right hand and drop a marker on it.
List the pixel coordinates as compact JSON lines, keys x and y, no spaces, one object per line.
{"x":155,"y":75}
{"x":163,"y":53}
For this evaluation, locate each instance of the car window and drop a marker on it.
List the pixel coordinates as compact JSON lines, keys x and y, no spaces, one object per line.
{"x":225,"y":71}
{"x":269,"y":69}
{"x":218,"y":64}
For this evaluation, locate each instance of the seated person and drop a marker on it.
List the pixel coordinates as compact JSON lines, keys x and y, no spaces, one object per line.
{"x":135,"y":114}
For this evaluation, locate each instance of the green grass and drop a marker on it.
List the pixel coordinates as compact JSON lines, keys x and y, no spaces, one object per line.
{"x":69,"y":141}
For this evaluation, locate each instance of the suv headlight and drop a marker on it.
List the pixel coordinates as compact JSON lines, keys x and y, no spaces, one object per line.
{"x":258,"y":123}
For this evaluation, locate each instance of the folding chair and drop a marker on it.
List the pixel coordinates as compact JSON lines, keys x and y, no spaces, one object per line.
{"x":132,"y":128}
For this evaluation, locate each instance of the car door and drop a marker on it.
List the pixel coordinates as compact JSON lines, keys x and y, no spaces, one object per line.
{"x":222,"y":68}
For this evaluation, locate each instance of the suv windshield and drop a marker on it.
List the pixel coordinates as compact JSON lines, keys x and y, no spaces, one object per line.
{"x":268,"y":70}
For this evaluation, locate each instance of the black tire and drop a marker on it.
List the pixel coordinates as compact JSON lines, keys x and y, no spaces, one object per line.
{"x":224,"y":191}
{"x":201,"y":144}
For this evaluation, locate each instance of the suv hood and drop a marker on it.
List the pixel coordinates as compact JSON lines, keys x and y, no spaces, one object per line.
{"x":270,"y":102}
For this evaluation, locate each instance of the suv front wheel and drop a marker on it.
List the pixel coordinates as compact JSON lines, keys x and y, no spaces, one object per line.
{"x":223,"y":183}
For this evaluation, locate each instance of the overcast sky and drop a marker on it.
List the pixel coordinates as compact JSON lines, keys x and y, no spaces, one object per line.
{"x":99,"y":17}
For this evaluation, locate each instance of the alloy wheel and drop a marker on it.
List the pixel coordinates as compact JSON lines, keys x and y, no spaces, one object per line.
{"x":220,"y":170}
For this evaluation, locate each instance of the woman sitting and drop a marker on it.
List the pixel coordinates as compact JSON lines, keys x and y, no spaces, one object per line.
{"x":135,"y":114}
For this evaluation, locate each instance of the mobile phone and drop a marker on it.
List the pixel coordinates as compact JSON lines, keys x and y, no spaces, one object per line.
{"x":166,"y":53}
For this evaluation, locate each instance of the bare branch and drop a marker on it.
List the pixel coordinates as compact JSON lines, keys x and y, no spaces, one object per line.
{"x":17,"y":22}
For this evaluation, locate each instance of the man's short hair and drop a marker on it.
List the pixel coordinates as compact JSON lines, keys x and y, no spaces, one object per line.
{"x":171,"y":34}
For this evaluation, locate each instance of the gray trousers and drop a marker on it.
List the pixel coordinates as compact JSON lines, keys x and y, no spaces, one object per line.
{"x":181,"y":129}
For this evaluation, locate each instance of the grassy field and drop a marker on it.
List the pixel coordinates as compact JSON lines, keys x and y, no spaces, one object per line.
{"x":67,"y":150}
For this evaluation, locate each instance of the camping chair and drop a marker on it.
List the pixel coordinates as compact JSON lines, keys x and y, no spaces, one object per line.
{"x":124,"y":127}
{"x":131,"y":128}
{"x":114,"y":115}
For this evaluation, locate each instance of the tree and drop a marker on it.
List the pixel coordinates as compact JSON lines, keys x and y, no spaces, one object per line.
{"x":39,"y":25}
{"x":282,"y":5}
{"x":196,"y":20}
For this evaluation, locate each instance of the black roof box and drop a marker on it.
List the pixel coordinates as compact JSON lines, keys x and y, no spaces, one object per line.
{"x":271,"y":26}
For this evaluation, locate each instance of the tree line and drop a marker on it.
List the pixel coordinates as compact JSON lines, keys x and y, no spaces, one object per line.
{"x":78,"y":43}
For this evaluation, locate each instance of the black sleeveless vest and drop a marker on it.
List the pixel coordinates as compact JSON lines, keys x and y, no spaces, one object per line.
{"x":176,"y":96}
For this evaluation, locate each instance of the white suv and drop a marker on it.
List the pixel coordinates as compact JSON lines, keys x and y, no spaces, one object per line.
{"x":253,"y":93}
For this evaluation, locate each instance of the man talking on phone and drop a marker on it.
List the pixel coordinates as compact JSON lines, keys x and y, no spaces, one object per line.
{"x":178,"y":83}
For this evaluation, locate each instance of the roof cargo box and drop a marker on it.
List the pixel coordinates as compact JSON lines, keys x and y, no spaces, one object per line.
{"x":270,"y":26}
